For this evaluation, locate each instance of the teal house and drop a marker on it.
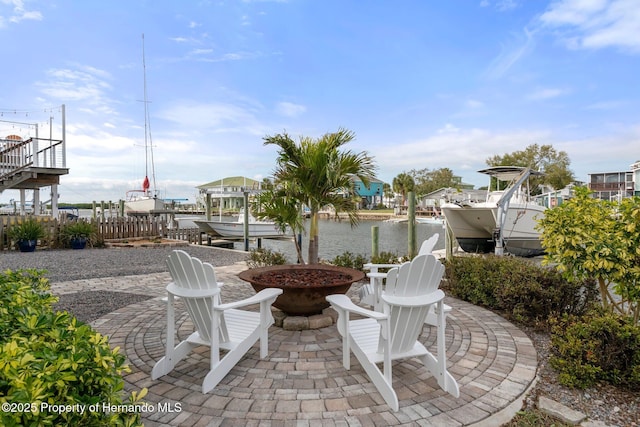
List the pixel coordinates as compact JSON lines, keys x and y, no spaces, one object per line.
{"x":371,"y":196}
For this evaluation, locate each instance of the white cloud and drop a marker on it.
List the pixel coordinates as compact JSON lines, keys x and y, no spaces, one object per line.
{"x":462,"y":150}
{"x":86,"y":84}
{"x":504,"y":5}
{"x":472,"y":103}
{"x":448,"y":128}
{"x":501,"y":5}
{"x":465,"y":150}
{"x":290,"y":109}
{"x":200,"y":52}
{"x":18,"y":13}
{"x":596,"y":24}
{"x":546,"y":93}
{"x":214,"y":117}
{"x":517,"y":48}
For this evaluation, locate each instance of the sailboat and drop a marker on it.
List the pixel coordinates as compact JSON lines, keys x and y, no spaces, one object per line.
{"x":145,"y":201}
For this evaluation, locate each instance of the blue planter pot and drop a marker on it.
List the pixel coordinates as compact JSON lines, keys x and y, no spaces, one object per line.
{"x":78,"y":243}
{"x":27,"y":245}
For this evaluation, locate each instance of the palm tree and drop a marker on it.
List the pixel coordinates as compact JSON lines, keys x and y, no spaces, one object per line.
{"x":388,"y":192}
{"x":278,"y":206}
{"x":317,"y":174}
{"x":403,"y":183}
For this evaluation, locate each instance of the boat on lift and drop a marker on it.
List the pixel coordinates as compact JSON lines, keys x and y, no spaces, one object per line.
{"x":505,"y":221}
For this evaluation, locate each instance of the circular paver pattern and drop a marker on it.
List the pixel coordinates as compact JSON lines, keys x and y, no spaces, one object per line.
{"x":303,"y":380}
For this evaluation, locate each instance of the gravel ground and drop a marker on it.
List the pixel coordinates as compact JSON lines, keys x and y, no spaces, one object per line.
{"x":605,"y":405}
{"x":65,"y":264}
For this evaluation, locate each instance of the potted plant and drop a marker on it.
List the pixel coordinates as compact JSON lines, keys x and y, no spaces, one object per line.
{"x":26,"y":234}
{"x":312,"y":174}
{"x":78,"y":233}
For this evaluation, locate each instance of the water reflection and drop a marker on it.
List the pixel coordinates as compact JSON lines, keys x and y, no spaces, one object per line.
{"x":337,"y":237}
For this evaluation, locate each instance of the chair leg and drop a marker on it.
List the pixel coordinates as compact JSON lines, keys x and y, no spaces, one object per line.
{"x":438,"y":366}
{"x":378,"y":379}
{"x":220,"y":369}
{"x":169,"y":361}
{"x":172,"y":355}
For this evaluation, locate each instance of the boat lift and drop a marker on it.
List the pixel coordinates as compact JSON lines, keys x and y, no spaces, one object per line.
{"x":520,"y":176}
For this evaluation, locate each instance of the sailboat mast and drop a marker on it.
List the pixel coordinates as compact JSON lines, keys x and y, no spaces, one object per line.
{"x":148,"y":143}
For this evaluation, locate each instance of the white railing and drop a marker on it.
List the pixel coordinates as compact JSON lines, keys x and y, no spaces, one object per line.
{"x":33,"y":152}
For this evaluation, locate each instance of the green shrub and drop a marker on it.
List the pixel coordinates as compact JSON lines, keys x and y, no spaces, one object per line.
{"x":78,"y":229}
{"x":22,"y":292}
{"x":389,"y":258}
{"x":265,"y":257}
{"x":599,"y":347}
{"x":27,"y":229}
{"x":468,"y":278}
{"x":522,"y":290}
{"x":49,"y":358}
{"x":349,"y":260}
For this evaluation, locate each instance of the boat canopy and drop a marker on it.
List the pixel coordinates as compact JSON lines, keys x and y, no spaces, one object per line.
{"x":507,"y":173}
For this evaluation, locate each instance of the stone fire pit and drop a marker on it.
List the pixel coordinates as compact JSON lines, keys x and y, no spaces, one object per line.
{"x":305,"y":287}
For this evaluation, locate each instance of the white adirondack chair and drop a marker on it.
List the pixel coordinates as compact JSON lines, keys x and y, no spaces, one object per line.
{"x":392,"y":334}
{"x":370,"y":293}
{"x":233,"y":330}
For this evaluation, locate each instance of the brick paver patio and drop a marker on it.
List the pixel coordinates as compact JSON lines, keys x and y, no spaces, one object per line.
{"x":302,"y":382}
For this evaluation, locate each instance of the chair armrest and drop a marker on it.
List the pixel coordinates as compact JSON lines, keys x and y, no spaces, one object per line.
{"x":344,"y":303}
{"x":263,"y":295}
{"x":377,"y":275}
{"x":181,"y":292}
{"x":370,"y":266}
{"x":414,"y":301}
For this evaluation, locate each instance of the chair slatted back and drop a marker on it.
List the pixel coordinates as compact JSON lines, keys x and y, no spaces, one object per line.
{"x":421,"y":276}
{"x":191,"y":273}
{"x":428,"y":245}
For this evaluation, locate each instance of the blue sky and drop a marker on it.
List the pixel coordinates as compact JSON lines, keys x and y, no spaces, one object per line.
{"x":423,"y":84}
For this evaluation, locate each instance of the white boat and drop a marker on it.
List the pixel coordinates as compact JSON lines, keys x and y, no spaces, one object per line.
{"x":142,"y":202}
{"x":505,"y":221}
{"x":433,"y":220}
{"x":145,"y":201}
{"x":235,"y":229}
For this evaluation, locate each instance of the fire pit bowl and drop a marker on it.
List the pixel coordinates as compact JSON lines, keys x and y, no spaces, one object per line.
{"x":304,"y":286}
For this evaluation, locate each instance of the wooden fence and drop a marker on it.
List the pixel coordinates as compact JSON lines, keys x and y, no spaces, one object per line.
{"x":107,"y":229}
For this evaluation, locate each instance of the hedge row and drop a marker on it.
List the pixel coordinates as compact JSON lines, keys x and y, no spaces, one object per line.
{"x":519,"y":288}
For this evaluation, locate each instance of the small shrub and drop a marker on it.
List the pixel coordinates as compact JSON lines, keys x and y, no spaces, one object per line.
{"x":534,"y":418}
{"x":599,"y":347}
{"x":389,"y":258}
{"x":265,"y":257}
{"x":349,"y":260}
{"x":76,"y":230}
{"x":468,"y":279}
{"x":25,"y":230}
{"x":522,"y":290}
{"x":49,"y":357}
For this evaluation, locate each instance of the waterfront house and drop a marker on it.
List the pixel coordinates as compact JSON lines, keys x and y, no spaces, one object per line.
{"x":370,"y":196}
{"x":614,"y":185}
{"x":227,"y":193}
{"x":635,"y":170}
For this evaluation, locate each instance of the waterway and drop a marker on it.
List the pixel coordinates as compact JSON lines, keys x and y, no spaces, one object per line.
{"x":338,"y":237}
